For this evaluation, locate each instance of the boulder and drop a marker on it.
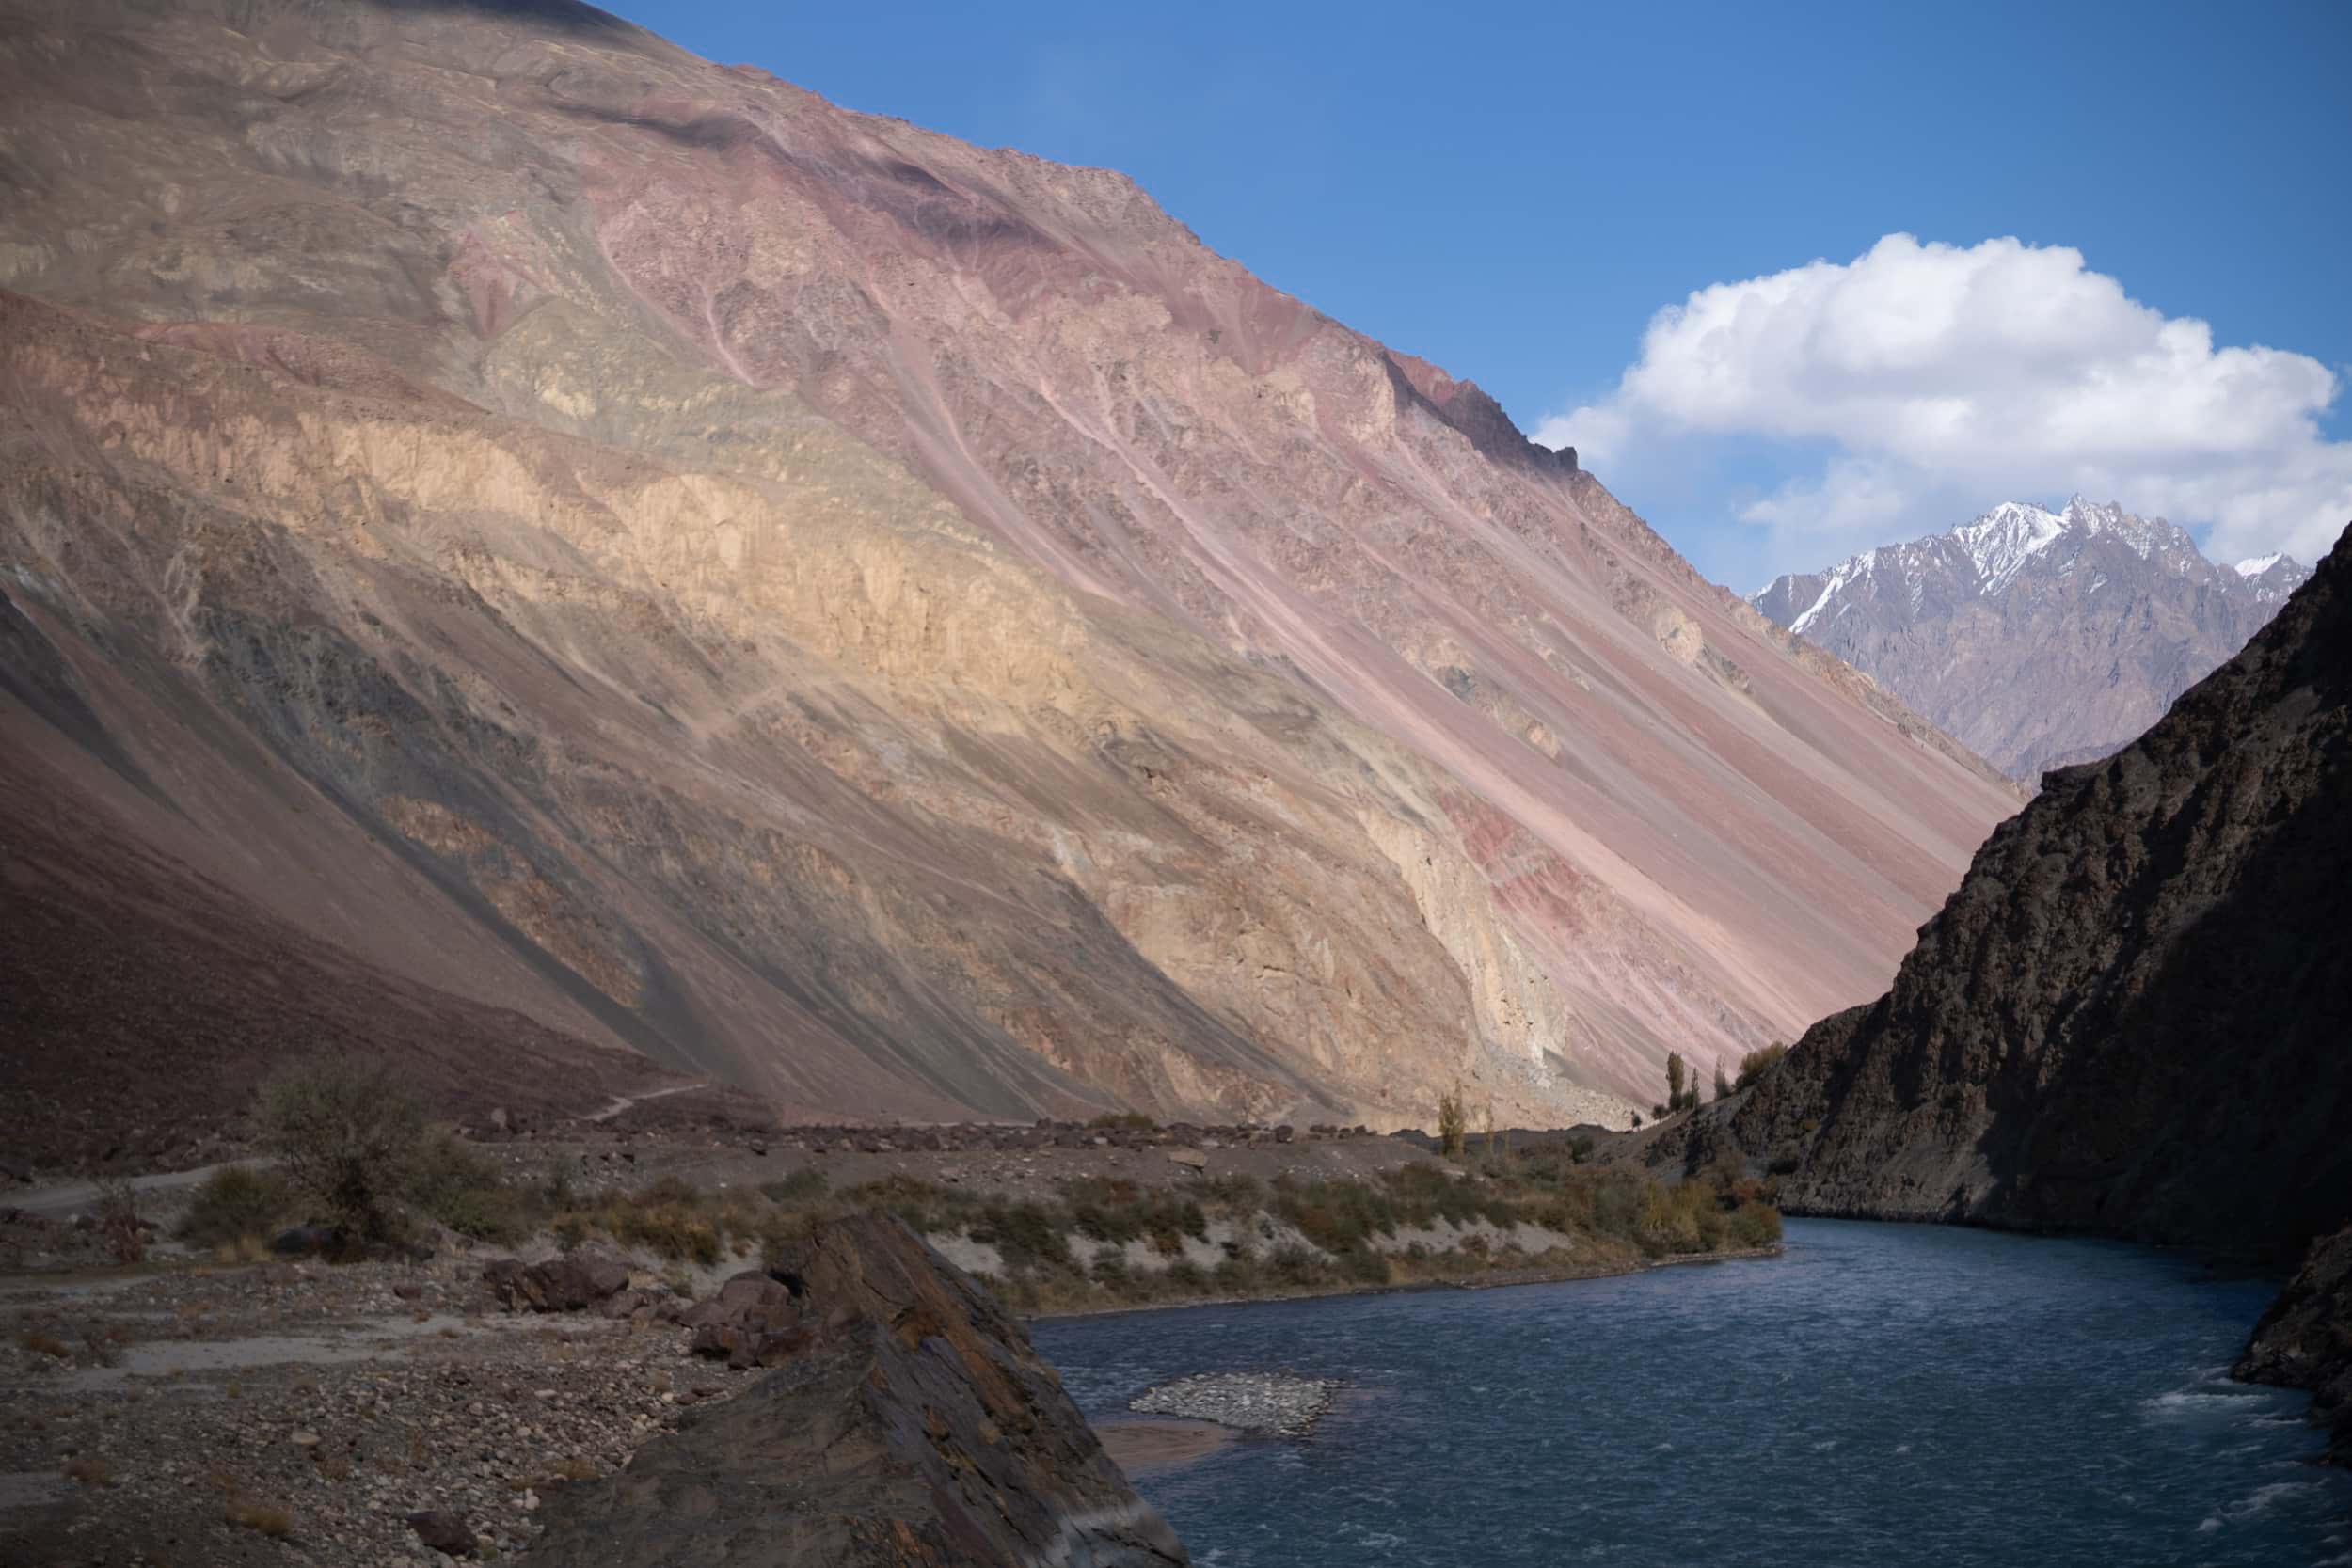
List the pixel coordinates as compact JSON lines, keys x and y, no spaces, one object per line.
{"x":1191,"y":1157}
{"x":446,"y":1532}
{"x":571,"y":1283}
{"x":302,"y":1241}
{"x":755,"y":1321}
{"x":915,"y":1426}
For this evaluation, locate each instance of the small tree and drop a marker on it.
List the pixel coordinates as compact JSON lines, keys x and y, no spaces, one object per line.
{"x":348,"y":1136}
{"x":1674,"y":1081}
{"x":1722,"y":1085}
{"x":1452,"y":1123}
{"x":1756,"y":1063}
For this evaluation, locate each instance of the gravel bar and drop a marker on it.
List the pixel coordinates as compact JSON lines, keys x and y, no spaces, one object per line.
{"x":1266,"y":1403}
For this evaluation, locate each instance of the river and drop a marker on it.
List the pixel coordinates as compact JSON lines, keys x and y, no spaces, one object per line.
{"x":1879,"y":1395}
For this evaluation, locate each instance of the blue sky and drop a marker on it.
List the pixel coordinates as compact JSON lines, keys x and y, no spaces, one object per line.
{"x":1516,"y":191}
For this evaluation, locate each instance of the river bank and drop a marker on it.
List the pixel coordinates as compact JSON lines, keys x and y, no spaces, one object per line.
{"x":1485,"y":1279}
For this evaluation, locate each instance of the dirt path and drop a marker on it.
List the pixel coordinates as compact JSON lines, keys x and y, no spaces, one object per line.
{"x":71,"y":1197}
{"x":622,"y":1102}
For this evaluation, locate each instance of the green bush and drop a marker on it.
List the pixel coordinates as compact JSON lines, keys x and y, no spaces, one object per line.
{"x":464,"y":1189}
{"x":232,"y":1203}
{"x":348,"y":1134}
{"x":1026,"y":1235}
{"x":1755,"y":1225}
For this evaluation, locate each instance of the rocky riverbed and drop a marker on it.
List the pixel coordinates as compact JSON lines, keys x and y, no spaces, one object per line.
{"x":1276,"y":1405}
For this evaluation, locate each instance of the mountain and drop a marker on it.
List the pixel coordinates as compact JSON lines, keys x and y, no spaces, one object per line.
{"x":2038,"y":638}
{"x":901,"y":628}
{"x":2131,"y":1019}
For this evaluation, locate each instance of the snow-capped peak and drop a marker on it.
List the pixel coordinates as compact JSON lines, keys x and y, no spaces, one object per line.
{"x":2142,"y":536}
{"x":1846,"y":572}
{"x":2258,"y":565}
{"x":2004,"y":539}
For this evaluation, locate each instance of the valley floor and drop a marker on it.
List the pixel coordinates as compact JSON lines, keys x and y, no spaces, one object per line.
{"x":223,"y":1406}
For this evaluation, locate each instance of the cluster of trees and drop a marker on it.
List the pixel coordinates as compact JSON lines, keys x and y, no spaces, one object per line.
{"x":1682,"y":1080}
{"x":1682,"y":1087}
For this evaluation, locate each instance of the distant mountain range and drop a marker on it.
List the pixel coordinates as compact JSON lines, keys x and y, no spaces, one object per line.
{"x":2037,"y":638}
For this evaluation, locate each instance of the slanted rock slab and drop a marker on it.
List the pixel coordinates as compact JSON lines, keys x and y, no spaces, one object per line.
{"x":916,"y":1426}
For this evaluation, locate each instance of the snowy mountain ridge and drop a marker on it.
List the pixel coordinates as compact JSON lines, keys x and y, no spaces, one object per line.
{"x":2037,"y":635}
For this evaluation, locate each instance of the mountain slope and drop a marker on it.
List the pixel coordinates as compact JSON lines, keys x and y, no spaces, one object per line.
{"x":2038,"y":638}
{"x":2132,"y":1017}
{"x":900,"y":626}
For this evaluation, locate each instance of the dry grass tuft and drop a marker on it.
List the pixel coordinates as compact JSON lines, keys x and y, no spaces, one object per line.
{"x":45,"y":1344}
{"x":270,"y":1519}
{"x":89,"y":1470}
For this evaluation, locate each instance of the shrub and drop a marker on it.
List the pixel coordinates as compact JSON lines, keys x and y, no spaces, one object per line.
{"x":1617,"y":1204}
{"x":464,"y":1189}
{"x":89,"y":1470}
{"x":262,"y":1518}
{"x":349,"y":1135}
{"x":1296,"y":1266}
{"x":802,"y":1186}
{"x":1755,"y":1225}
{"x":232,"y":1203}
{"x":1669,"y":1222}
{"x":1756,"y":1063}
{"x":1452,"y":1123}
{"x":1026,"y":1235}
{"x":119,"y":1220}
{"x":1132,"y":1120}
{"x":1236,"y":1191}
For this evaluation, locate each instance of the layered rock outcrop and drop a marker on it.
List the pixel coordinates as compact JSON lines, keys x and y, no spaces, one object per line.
{"x":909,"y":1424}
{"x":900,"y":627}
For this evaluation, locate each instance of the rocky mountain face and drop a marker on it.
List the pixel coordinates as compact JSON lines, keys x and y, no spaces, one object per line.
{"x":910,"y":1425}
{"x":2131,"y":1019}
{"x":901,"y":628}
{"x":2038,"y":638}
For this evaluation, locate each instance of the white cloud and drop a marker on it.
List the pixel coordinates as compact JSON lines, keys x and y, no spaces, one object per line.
{"x":1943,"y":380}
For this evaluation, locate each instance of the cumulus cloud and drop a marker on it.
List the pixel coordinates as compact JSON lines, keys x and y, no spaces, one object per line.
{"x":1938,"y":379}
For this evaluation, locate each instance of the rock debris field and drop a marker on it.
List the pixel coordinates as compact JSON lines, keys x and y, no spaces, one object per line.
{"x":296,"y":1413}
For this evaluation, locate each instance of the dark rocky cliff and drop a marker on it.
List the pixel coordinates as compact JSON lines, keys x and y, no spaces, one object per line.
{"x":2305,"y":1340}
{"x":2135,"y":1016}
{"x":908,"y":1422}
{"x":2132,"y":1017}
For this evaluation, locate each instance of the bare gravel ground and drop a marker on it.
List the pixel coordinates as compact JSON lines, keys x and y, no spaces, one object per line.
{"x":187,"y":1414}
